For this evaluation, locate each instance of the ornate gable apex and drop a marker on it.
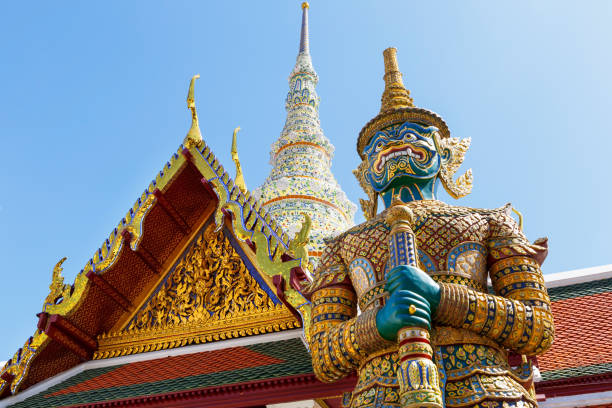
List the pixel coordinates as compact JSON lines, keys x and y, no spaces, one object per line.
{"x":212,"y":292}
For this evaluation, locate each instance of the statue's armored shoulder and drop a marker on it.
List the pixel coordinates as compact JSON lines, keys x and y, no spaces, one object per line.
{"x":499,"y":219}
{"x":506,"y":237}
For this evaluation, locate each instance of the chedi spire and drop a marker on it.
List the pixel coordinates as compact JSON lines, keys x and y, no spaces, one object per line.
{"x":301,"y":181}
{"x":304,"y":45}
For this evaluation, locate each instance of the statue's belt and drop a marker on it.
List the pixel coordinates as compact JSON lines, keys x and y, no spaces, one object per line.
{"x":444,"y":336}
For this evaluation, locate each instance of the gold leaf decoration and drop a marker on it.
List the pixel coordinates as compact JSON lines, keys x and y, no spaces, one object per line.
{"x":369,"y":206}
{"x":58,"y":291}
{"x":210,"y":282}
{"x":453,"y":152}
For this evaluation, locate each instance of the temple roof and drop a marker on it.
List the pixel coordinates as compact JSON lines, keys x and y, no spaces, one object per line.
{"x":580,"y":359}
{"x":273,"y":368}
{"x":202,"y":371}
{"x":133,"y":296}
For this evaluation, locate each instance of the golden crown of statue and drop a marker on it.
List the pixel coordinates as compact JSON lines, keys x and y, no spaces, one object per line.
{"x":397,"y":106}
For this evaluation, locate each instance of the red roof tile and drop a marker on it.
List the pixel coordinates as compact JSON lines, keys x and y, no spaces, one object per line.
{"x":583,"y":337}
{"x":174,"y":367}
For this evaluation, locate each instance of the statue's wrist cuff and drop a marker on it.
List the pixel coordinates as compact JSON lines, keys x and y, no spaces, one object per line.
{"x":454,"y":304}
{"x":367,"y":333}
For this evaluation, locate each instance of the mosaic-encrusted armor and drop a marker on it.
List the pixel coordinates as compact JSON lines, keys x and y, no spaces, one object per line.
{"x":473,"y":329}
{"x":431,"y":332}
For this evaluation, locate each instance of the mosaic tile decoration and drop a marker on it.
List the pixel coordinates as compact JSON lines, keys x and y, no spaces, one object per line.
{"x":301,"y":181}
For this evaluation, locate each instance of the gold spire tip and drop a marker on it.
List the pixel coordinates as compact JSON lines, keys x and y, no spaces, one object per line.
{"x":305,"y":5}
{"x":390,"y":58}
{"x":395,"y":95}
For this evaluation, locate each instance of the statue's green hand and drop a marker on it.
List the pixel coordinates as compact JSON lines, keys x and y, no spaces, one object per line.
{"x":396,"y":314}
{"x":413,"y":279}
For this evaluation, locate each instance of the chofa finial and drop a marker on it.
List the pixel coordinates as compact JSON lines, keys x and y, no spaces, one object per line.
{"x":194,"y":136}
{"x":395,"y":95}
{"x":57,"y":290}
{"x":239,"y":180}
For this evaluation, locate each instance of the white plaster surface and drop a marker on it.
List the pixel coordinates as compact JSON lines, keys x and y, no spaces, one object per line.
{"x":296,"y":404}
{"x":554,"y":280}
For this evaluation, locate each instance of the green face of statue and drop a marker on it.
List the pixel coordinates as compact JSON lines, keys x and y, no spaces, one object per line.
{"x":403,"y":160}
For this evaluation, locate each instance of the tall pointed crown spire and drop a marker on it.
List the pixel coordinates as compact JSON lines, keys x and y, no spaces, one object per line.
{"x":397,"y":106}
{"x":301,"y":182}
{"x":395,"y":95}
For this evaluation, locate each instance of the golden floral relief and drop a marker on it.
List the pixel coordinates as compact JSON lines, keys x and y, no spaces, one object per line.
{"x":210,"y":282}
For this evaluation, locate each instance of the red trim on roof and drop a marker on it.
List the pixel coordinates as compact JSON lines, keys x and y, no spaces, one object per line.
{"x":171,"y":211}
{"x":67,"y":334}
{"x":110,"y":290}
{"x":575,"y":385}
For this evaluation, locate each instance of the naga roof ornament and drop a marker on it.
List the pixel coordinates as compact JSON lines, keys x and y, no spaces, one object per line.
{"x":301,"y":182}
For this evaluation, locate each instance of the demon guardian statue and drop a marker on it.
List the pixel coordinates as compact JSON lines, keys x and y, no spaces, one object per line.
{"x":430,"y":332}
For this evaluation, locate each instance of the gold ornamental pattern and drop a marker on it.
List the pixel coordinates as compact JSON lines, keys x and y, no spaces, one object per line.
{"x":210,"y":282}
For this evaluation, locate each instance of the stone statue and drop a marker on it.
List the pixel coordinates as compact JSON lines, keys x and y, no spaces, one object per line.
{"x":427,"y":280}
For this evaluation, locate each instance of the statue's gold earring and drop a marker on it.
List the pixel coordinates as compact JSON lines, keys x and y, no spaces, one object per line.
{"x":452,"y":152}
{"x":369,"y":206}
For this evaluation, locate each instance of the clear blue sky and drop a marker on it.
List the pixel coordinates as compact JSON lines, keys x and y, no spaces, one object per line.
{"x":92,"y":104}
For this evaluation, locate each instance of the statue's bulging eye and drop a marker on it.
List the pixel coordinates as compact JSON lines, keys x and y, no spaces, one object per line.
{"x":409,"y":137}
{"x":379,"y":146}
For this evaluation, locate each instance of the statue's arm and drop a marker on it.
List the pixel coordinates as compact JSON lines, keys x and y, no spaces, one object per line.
{"x":519,"y":317}
{"x":339,"y":340}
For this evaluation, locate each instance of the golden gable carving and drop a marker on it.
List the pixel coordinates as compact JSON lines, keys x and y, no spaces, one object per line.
{"x":209,"y":295}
